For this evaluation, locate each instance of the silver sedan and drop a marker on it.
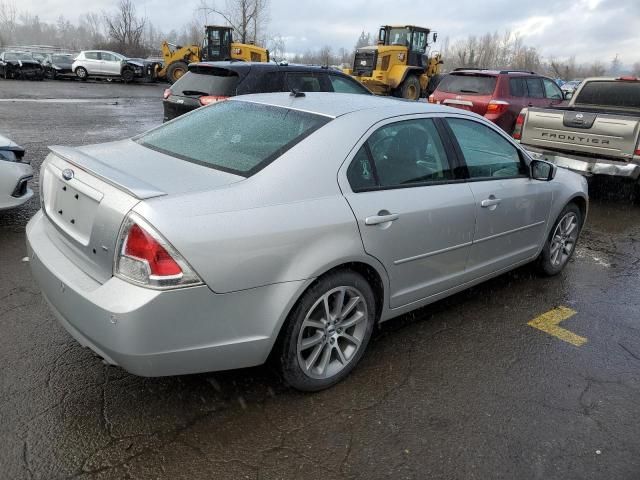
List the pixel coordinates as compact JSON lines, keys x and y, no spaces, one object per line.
{"x":287,"y":227}
{"x":15,"y":174}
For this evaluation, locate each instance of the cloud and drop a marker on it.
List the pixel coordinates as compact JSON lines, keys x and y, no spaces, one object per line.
{"x":587,"y":29}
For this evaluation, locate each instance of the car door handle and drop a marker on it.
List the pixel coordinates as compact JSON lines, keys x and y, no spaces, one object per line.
{"x":378,"y":219}
{"x":490,"y":202}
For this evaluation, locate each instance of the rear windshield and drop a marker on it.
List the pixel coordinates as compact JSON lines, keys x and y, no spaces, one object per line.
{"x":616,"y":94}
{"x":216,"y":81}
{"x":236,"y":137}
{"x":468,"y":84}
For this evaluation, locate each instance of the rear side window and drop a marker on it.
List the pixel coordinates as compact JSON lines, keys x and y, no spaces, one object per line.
{"x":236,"y":137}
{"x":617,"y":94}
{"x":211,"y":81}
{"x":468,"y":84}
{"x":91,"y":55}
{"x":517,"y":87}
{"x":305,"y":82}
{"x":534,"y":85}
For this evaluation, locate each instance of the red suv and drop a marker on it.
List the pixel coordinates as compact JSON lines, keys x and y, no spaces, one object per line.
{"x":498,"y":95}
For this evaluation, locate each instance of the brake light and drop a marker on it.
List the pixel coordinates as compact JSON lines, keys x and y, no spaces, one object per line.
{"x":146,"y":258}
{"x":167,"y":93}
{"x":497,"y":107}
{"x":209,"y":99}
{"x":517,"y":131}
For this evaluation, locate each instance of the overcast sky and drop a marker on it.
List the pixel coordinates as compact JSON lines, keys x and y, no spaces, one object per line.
{"x":589,"y":29}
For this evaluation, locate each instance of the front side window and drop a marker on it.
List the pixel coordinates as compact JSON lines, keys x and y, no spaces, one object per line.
{"x":233,"y":136}
{"x":517,"y":87}
{"x":487,"y":154}
{"x":419,"y":41}
{"x":345,"y":85}
{"x":91,"y":55}
{"x":402,"y":154}
{"x":534,"y":85}
{"x":399,"y":36}
{"x":551,"y":89}
{"x":107,"y":57}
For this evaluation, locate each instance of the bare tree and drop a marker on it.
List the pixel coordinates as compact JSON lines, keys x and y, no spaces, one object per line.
{"x":124,"y":27}
{"x":8,"y":17}
{"x":246,"y":17}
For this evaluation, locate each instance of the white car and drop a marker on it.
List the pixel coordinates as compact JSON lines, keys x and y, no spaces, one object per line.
{"x":14,"y":175}
{"x":101,"y":63}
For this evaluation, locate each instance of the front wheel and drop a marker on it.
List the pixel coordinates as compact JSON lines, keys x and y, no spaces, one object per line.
{"x":562,"y":240}
{"x":127,"y":76}
{"x":81,"y":73}
{"x":410,"y":88}
{"x":327,"y":332}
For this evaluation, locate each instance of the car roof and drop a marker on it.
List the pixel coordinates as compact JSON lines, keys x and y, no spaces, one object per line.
{"x":240,"y":66}
{"x":335,"y":105}
{"x":485,"y":71}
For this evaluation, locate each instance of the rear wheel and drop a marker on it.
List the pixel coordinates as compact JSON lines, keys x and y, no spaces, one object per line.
{"x":562,"y":240}
{"x":81,"y":73}
{"x":410,"y":88}
{"x":176,"y":70}
{"x":327,"y":332}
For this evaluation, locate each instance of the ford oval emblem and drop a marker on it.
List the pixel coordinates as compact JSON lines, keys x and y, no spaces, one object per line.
{"x":67,"y":174}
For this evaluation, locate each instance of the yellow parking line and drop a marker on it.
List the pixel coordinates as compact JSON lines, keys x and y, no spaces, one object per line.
{"x":548,"y":322}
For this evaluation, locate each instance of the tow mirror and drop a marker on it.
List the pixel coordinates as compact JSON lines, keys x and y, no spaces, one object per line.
{"x":541,"y":170}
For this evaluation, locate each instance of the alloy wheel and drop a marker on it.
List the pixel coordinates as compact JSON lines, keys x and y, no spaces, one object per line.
{"x":332,"y":332}
{"x":564,"y":239}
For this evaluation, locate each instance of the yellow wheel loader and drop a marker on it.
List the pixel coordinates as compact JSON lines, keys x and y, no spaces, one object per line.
{"x":217,"y":45}
{"x":401,"y":64}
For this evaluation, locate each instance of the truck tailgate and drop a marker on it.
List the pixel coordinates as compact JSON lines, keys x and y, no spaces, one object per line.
{"x":598,"y":134}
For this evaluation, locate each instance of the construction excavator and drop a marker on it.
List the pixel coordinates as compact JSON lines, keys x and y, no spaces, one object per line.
{"x":401,"y":64}
{"x":217,"y":45}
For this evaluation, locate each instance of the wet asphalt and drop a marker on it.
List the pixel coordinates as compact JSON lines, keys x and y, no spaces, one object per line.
{"x":462,"y":389}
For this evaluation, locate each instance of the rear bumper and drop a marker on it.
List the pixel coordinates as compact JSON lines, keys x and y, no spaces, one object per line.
{"x":587,"y":165}
{"x":156,"y":333}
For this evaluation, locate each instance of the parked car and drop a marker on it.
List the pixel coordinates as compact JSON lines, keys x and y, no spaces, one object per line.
{"x":101,"y":63}
{"x":58,"y":64}
{"x":287,"y":224}
{"x":597,"y":133}
{"x":20,"y":65}
{"x":570,"y":87}
{"x":15,"y":174}
{"x":209,"y":82}
{"x":499,"y":95}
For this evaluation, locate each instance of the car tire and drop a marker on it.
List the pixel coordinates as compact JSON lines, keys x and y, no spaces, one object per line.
{"x":127,"y":75}
{"x":410,"y":88}
{"x":81,"y":73}
{"x":313,"y":353}
{"x":176,"y":70}
{"x":561,"y":243}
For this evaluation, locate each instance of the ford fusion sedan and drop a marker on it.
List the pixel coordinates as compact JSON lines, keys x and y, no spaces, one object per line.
{"x":286,"y":227}
{"x":15,"y":174}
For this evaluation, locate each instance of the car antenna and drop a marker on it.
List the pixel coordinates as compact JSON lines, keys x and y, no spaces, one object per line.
{"x":296,"y":93}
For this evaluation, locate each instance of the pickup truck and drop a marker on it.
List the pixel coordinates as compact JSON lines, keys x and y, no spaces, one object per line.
{"x":596,"y":133}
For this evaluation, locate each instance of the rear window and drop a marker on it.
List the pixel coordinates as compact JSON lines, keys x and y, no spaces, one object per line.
{"x":236,"y":137}
{"x":468,"y":84}
{"x":207,"y":81}
{"x":617,"y":94}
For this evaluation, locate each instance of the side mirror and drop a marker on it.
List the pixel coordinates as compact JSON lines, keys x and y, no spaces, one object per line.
{"x":541,"y":170}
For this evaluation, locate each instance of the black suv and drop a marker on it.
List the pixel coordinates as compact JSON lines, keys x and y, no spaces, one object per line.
{"x":209,"y":82}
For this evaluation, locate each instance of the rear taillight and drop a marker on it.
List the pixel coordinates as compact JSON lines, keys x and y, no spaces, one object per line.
{"x":144,"y":257}
{"x":209,"y":99}
{"x":517,"y":131}
{"x":497,"y":107}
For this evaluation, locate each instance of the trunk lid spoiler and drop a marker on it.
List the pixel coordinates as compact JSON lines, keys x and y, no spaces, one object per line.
{"x":124,"y":181}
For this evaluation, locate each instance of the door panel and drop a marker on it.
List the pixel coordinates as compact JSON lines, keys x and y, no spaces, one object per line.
{"x":414,"y":215}
{"x":425,"y":249}
{"x":511,"y":209}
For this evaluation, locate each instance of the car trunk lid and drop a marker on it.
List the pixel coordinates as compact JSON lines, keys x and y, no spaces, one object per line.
{"x":467,"y":91}
{"x":87,"y":193}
